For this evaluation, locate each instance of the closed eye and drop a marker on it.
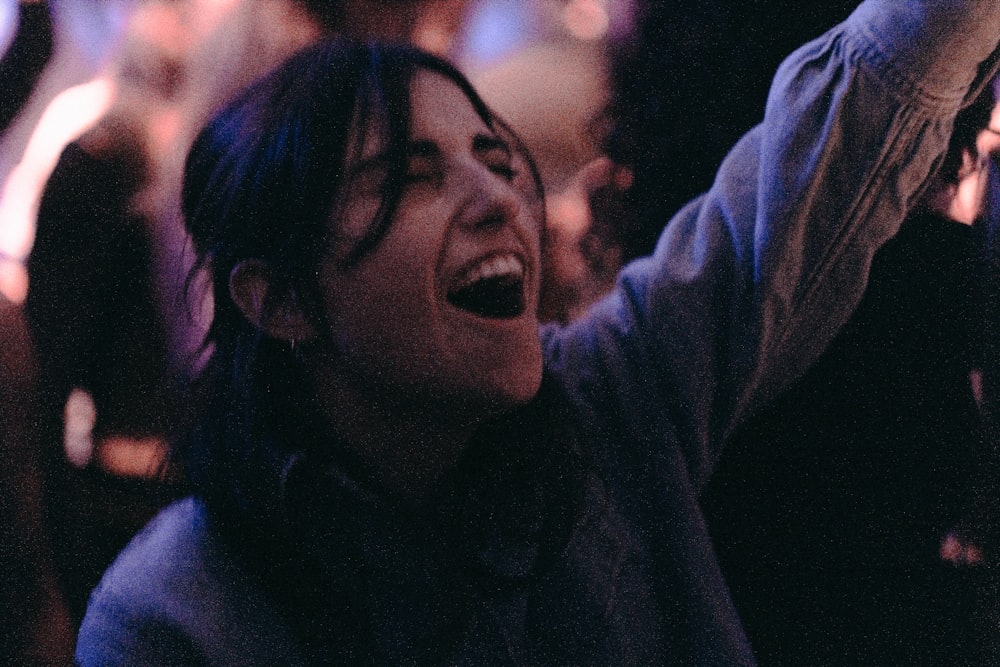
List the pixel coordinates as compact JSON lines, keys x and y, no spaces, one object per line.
{"x":504,"y":170}
{"x":496,"y":155}
{"x":423,"y":163}
{"x":422,"y":170}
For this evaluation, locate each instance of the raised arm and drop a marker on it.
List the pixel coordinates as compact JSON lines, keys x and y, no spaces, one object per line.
{"x":750,"y":282}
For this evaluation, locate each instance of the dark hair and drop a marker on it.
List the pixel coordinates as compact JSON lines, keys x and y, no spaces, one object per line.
{"x":265,"y":180}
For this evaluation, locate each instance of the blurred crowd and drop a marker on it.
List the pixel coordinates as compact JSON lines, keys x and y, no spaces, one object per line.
{"x":628,"y":107}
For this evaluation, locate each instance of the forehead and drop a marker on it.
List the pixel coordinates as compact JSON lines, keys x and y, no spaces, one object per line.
{"x":441,"y":112}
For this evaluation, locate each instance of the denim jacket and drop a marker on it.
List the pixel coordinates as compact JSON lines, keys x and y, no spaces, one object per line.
{"x":746,"y":287}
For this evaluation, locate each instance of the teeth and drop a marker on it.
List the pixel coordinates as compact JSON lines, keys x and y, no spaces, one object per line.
{"x":495,"y":266}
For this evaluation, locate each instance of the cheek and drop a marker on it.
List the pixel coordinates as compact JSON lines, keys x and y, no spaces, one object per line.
{"x":384,"y":306}
{"x":379,"y":306}
{"x":383,"y":340}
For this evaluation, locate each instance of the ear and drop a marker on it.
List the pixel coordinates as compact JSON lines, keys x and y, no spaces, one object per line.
{"x":282,"y":318}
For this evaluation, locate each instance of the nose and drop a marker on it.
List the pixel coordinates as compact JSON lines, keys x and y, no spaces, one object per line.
{"x":491,"y":201}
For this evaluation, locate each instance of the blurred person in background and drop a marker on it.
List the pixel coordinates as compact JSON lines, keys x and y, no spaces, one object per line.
{"x":25,"y":47}
{"x":35,"y":625}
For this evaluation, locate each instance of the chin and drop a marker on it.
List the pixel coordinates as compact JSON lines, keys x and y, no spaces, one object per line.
{"x":518,"y":383}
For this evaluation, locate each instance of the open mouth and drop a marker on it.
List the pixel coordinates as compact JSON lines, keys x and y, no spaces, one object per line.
{"x":492,"y":288}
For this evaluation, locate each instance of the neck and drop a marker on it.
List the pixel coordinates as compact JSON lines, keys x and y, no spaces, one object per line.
{"x":405,"y":448}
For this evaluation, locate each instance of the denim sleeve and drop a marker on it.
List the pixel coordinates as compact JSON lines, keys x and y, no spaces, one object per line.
{"x":749,"y":283}
{"x":177,"y":596}
{"x":113,"y":636}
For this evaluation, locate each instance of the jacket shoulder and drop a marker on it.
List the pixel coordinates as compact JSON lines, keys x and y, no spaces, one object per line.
{"x":176,"y":595}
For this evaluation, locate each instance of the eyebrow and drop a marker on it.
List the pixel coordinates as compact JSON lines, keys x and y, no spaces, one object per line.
{"x":481,"y":143}
{"x":379,"y":161}
{"x":366,"y":165}
{"x":484,"y":143}
{"x":422,"y":149}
